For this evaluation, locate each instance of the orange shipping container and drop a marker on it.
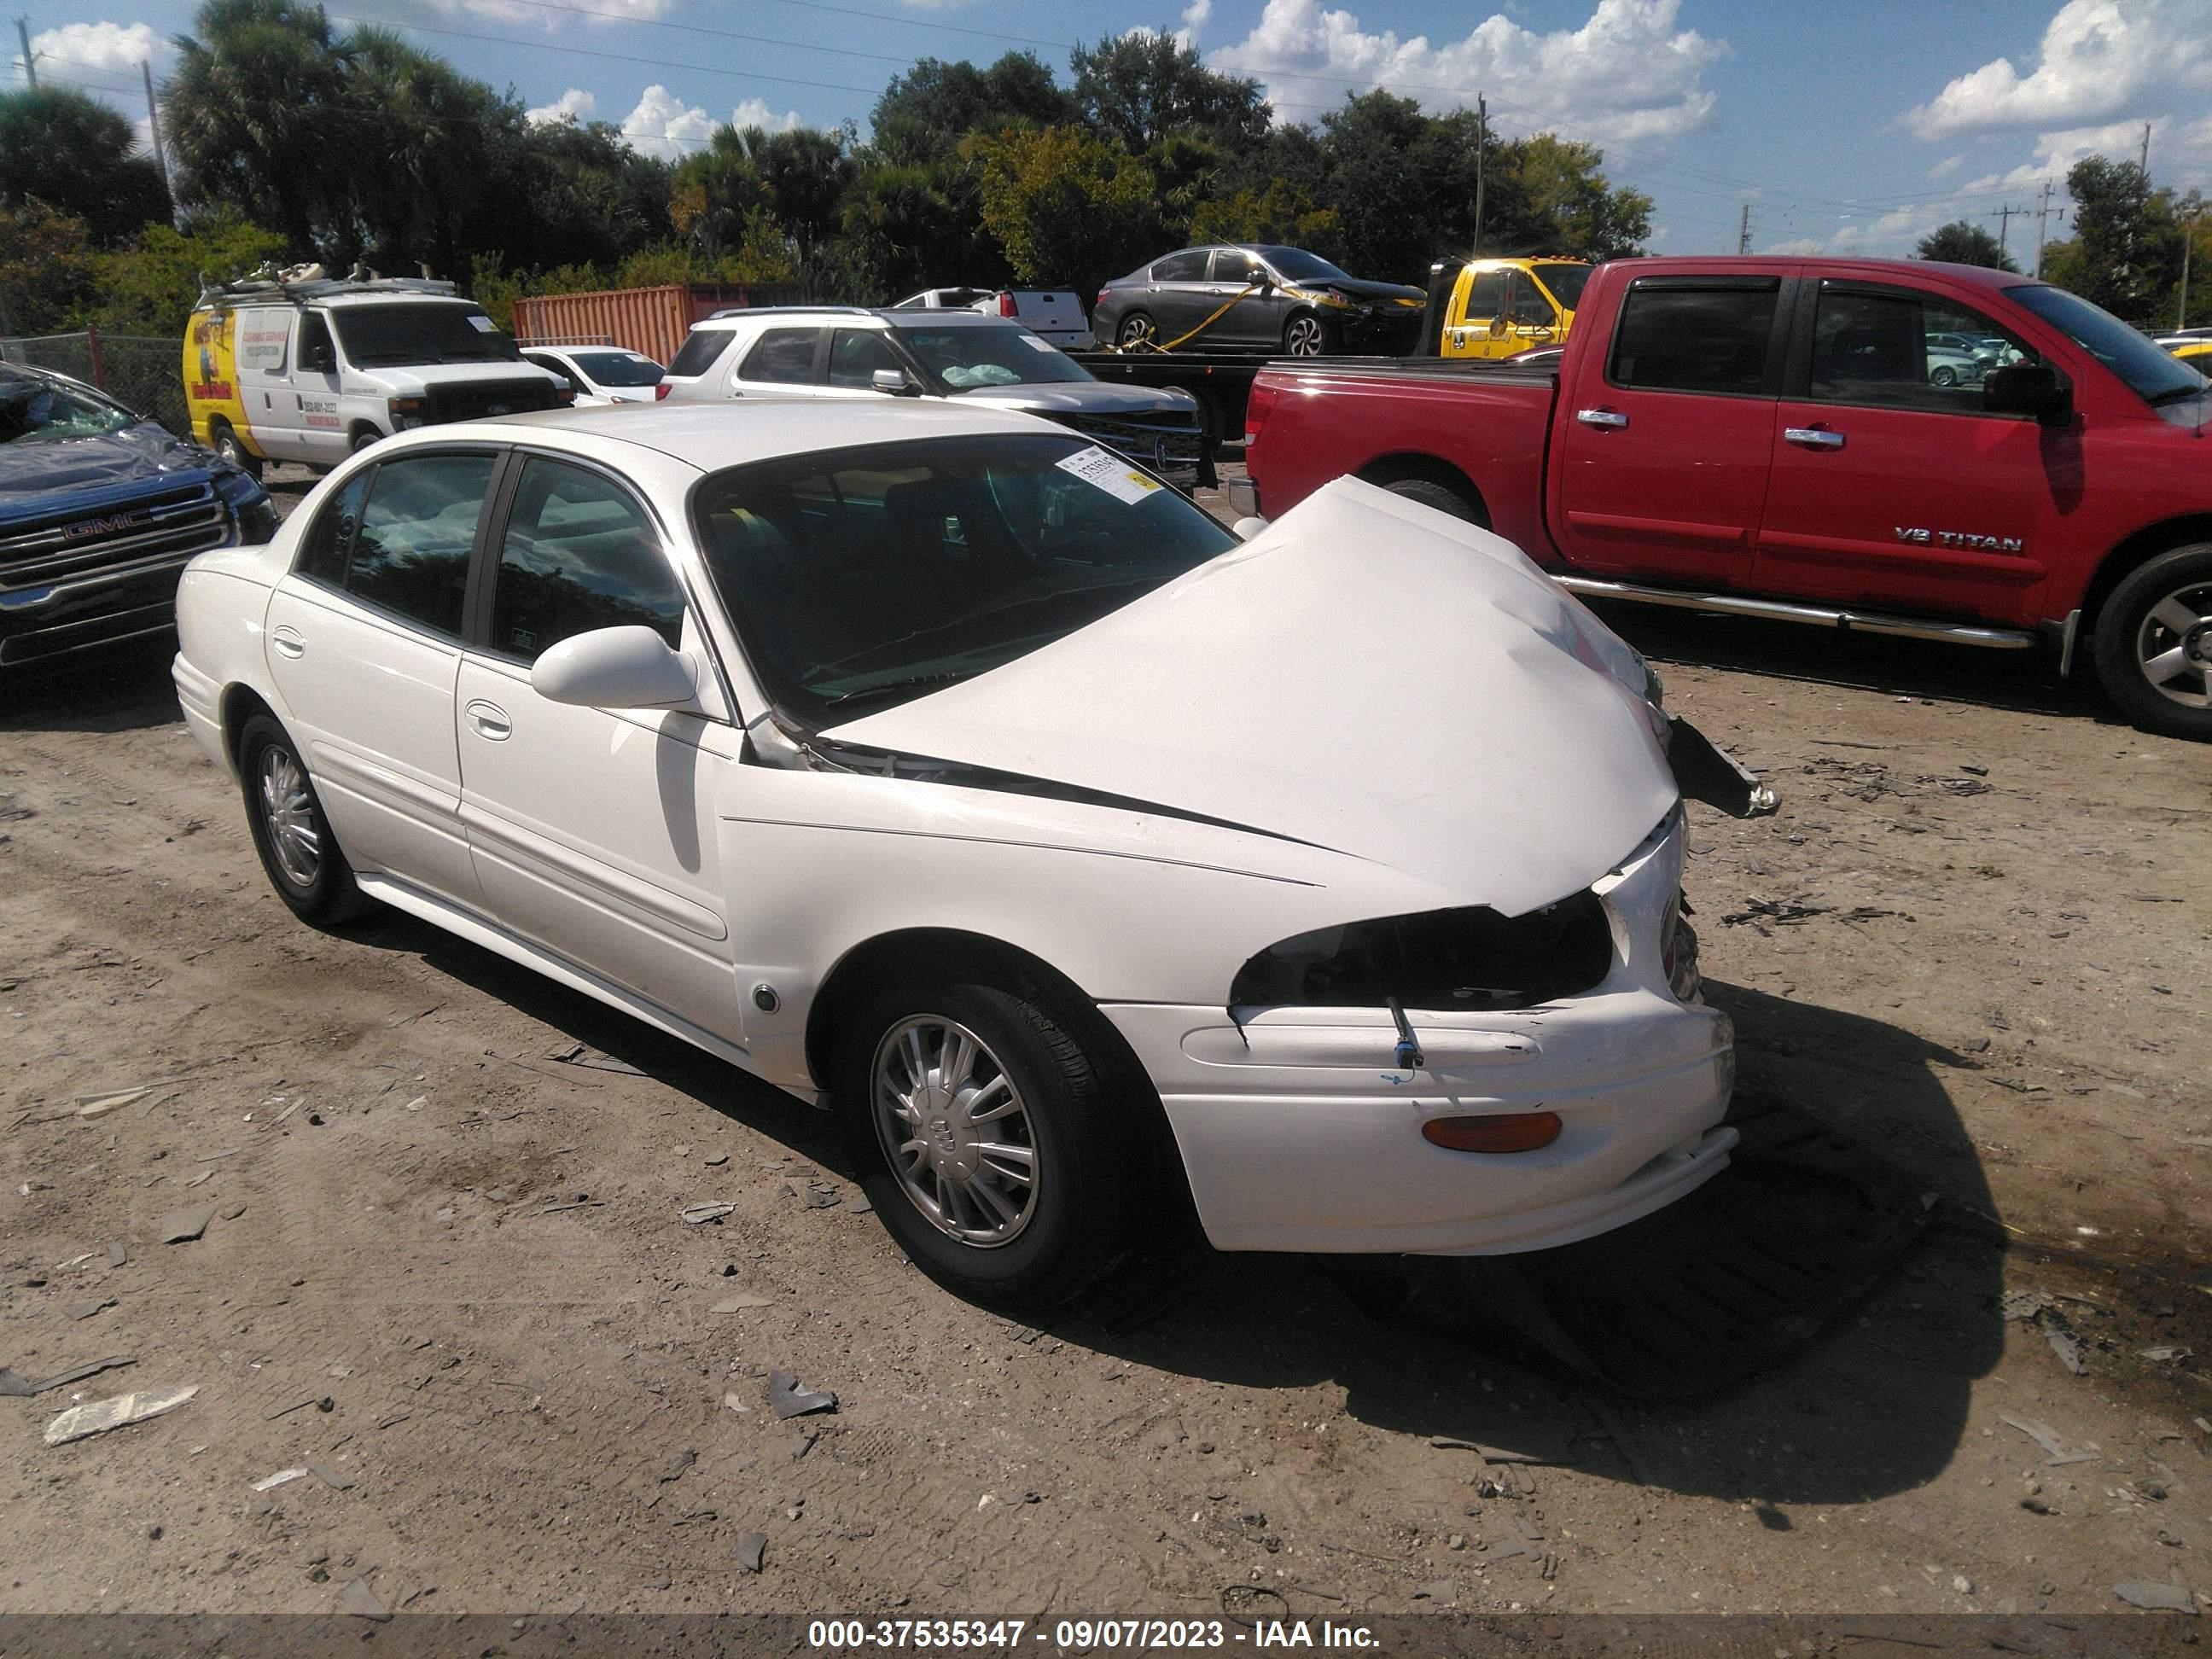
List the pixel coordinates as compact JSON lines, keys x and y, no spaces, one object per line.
{"x":652,"y":320}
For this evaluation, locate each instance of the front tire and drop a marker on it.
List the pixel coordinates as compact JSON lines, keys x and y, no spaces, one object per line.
{"x":1308,"y":336}
{"x":298,"y":851}
{"x":1942,"y":374}
{"x":2153,"y":644}
{"x":228,"y":446}
{"x":363,"y":438}
{"x":985,"y":1123}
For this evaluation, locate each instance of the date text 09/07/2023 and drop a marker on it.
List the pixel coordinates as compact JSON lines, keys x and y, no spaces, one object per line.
{"x":1085,"y":1635}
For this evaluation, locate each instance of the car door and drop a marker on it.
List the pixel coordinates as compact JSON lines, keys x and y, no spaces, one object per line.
{"x":1177,"y":295}
{"x":1892,"y":486}
{"x":264,"y":380}
{"x":364,"y":645}
{"x":1251,"y":318}
{"x":779,"y":363}
{"x":1478,"y":329}
{"x":316,"y":384}
{"x":595,"y":831}
{"x":1667,"y":435}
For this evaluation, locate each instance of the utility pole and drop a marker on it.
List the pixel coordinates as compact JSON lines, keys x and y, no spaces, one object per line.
{"x":2003,"y":215}
{"x":2188,"y":242}
{"x":154,"y":125}
{"x":1744,"y":236}
{"x":2042,"y":219}
{"x":1481,"y":146}
{"x":2145,"y":163}
{"x":30,"y":68}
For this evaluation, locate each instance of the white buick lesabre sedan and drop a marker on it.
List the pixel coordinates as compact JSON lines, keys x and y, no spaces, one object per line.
{"x":935,"y":766}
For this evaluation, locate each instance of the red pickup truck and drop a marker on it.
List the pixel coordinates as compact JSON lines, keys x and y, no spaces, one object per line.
{"x":1898,"y":447}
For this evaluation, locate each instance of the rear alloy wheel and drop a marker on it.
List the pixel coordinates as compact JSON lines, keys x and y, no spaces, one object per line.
{"x":1942,"y":374}
{"x":1308,"y":336}
{"x":2153,"y":644}
{"x":290,"y":833}
{"x":1441,"y":496}
{"x":1136,"y":328}
{"x":988,"y":1137}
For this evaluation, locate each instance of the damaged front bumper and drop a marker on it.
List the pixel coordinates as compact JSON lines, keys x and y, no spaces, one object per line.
{"x":1703,"y":772}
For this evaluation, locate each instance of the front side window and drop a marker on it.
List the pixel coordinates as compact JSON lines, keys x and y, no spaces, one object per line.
{"x":328,"y":543}
{"x":417,"y":333}
{"x":579,"y":553}
{"x":410,"y":555}
{"x":1189,"y":266}
{"x":1486,"y":294}
{"x":1898,"y":350}
{"x":862,"y":578}
{"x":855,"y":355}
{"x":1233,"y":265}
{"x":782,"y":356}
{"x":1695,"y":339}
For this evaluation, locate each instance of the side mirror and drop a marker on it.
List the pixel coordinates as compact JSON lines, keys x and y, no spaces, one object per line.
{"x":894,"y":381}
{"x":1248,"y":526}
{"x":1266,"y":281}
{"x":2035,"y":389}
{"x":629,"y":667}
{"x":319,"y":359}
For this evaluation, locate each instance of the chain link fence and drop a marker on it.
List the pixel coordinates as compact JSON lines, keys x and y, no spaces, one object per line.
{"x":143,"y":371}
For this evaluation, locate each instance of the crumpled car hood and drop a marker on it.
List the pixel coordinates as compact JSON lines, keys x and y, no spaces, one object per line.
{"x":1057,"y":398}
{"x":1367,"y":676}
{"x":34,"y":471}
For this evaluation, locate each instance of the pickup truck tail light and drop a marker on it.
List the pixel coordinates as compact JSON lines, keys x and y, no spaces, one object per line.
{"x":1257,"y":408}
{"x":1006,"y":306}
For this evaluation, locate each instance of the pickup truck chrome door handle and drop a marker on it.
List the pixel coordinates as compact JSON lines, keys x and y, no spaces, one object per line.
{"x":490,"y":720}
{"x":288,"y":639}
{"x":1813,"y":437}
{"x":1604,"y":417}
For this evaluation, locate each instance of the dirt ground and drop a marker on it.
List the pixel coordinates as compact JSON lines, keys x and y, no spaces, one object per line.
{"x":447,"y":1273}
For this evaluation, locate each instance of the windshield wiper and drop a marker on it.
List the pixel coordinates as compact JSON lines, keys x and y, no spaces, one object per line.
{"x":2174,"y":395}
{"x":913,"y":683}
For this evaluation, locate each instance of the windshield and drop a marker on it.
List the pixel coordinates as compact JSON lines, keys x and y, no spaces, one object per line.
{"x":966,"y":358}
{"x":862,"y":578}
{"x":1300,"y":266}
{"x":34,"y":410}
{"x":618,"y":368}
{"x":377,"y":334}
{"x":1565,"y":281}
{"x":2150,"y":372}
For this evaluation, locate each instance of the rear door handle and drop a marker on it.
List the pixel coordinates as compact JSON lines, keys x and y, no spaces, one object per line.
{"x":1813,"y":437}
{"x":490,"y":720}
{"x":1604,"y":417}
{"x":288,"y":639}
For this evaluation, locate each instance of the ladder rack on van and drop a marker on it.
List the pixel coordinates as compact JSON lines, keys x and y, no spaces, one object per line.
{"x":267,"y":288}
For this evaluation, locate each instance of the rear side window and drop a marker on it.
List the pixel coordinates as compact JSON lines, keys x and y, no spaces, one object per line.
{"x":411,"y":555}
{"x":782,"y":356}
{"x":579,"y":554}
{"x":1187,"y":267}
{"x":1695,"y":339}
{"x":329,"y":541}
{"x":697,"y":353}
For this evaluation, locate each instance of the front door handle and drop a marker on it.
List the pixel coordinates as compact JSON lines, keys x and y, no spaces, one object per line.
{"x":1608,"y":418}
{"x":490,"y":720}
{"x":1812,"y":437}
{"x":288,"y":639}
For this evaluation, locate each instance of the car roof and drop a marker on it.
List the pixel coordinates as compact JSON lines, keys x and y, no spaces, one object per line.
{"x":887,"y":316}
{"x":710,"y":436}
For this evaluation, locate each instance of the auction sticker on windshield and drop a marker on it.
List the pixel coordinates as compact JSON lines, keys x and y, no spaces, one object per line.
{"x":1110,"y":473}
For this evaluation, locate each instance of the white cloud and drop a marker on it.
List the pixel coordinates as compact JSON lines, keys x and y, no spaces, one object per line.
{"x":117,"y":48}
{"x":574,"y":104}
{"x":663,"y":124}
{"x":2098,"y":58}
{"x":1946,"y":166}
{"x":1194,"y":19}
{"x":755,"y":112}
{"x":1626,"y":74}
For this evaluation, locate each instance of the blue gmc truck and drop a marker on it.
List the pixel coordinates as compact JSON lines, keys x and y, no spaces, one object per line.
{"x":99,"y":509}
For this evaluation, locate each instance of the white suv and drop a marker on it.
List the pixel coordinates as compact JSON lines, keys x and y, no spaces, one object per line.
{"x":846,"y":351}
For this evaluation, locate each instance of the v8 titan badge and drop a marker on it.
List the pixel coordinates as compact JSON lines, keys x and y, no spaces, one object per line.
{"x":1110,"y":473}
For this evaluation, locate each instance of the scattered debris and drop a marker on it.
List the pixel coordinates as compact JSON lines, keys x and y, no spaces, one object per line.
{"x":739,"y":1304}
{"x":752,"y":1551}
{"x":281,"y":1477}
{"x":718,"y":1160}
{"x":87,"y":1309}
{"x":786,"y":1398}
{"x":2165,"y":1356}
{"x":2046,"y":1436}
{"x":577,"y":1054}
{"x":320,"y":1401}
{"x":695,"y":1213}
{"x":98,"y":1416}
{"x":2159,"y":1598}
{"x":683,"y":1461}
{"x":10,"y":1383}
{"x":822,"y":1196}
{"x":119,"y":1253}
{"x":234,"y":1212}
{"x":2068,"y":1350}
{"x":735,"y":1404}
{"x":2025,"y":1304}
{"x":859,"y":1204}
{"x":360,"y":1599}
{"x":581,"y":1201}
{"x":112,"y":1100}
{"x":329,"y":1477}
{"x":182,"y":1226}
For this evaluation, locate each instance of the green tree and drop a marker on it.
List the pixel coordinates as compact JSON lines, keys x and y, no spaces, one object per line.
{"x":46,"y":276}
{"x":149,"y":287}
{"x":80,"y":157}
{"x":1963,"y":242}
{"x":1564,"y":204}
{"x":1143,"y":87}
{"x":923,"y":114}
{"x":2125,"y":254}
{"x":1066,"y":206}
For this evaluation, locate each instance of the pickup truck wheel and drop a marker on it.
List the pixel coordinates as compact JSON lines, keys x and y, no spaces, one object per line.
{"x":1135,"y":328}
{"x":1308,"y":336}
{"x":982,"y":1121}
{"x":2153,"y":644}
{"x":228,"y":446}
{"x":298,"y":851}
{"x":1441,"y":496}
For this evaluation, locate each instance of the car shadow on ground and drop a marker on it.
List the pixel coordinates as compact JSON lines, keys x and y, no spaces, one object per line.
{"x":1824,"y":1387}
{"x":2025,"y":681}
{"x":125,"y":689}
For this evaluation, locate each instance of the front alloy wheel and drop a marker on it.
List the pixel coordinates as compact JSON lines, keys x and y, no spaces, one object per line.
{"x":2154,"y":643}
{"x":1306,"y":336}
{"x":957,"y":1131}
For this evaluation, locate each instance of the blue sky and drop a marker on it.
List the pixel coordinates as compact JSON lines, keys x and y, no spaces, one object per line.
{"x":1847,"y":126}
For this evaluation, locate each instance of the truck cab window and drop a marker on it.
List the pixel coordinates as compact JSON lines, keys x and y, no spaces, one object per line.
{"x":1904,"y":350}
{"x":1694,"y":339}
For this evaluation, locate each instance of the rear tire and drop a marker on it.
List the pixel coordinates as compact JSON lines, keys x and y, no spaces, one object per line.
{"x":298,"y":851}
{"x":1942,"y":374}
{"x":2153,"y":647}
{"x":1441,"y":496}
{"x":1133,"y":330}
{"x":1029,"y":1206}
{"x":228,"y":446}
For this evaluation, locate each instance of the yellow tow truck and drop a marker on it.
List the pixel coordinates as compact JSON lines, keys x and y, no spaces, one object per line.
{"x":1499,"y":307}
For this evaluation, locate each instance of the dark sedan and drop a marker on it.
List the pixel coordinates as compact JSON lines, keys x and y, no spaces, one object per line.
{"x":1259,"y":297}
